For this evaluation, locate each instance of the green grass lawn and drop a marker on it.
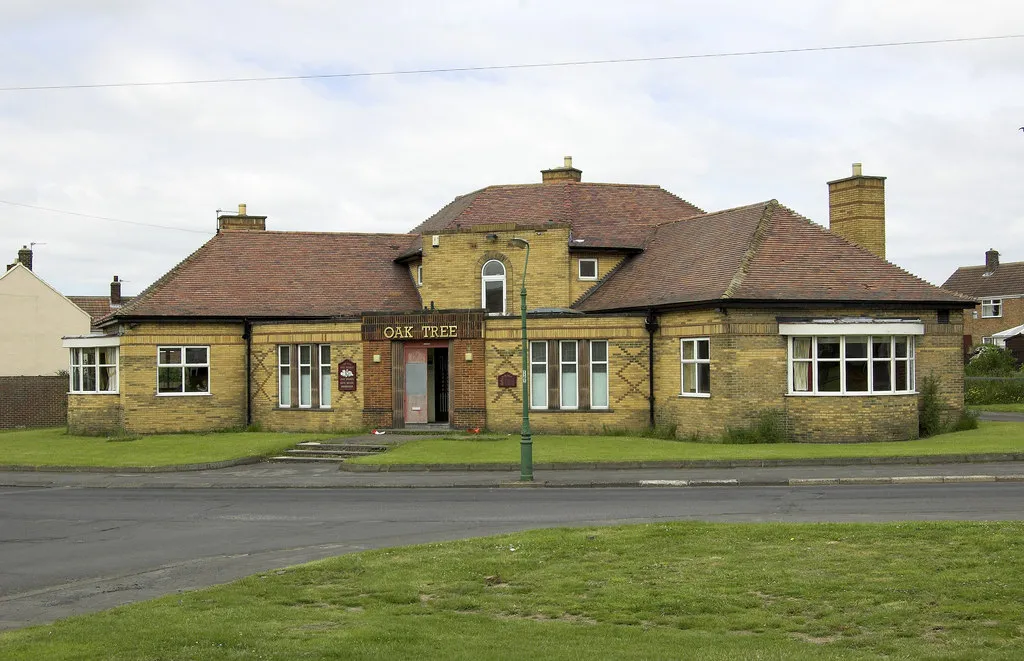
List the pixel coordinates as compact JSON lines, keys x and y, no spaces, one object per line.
{"x":658,"y":591}
{"x":1004,"y":408}
{"x":54,"y":447}
{"x":989,"y":437}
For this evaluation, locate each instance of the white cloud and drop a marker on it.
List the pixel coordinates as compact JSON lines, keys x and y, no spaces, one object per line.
{"x":383,"y":153}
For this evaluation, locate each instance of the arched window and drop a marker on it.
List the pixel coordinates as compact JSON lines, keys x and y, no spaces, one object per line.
{"x":492,"y":287}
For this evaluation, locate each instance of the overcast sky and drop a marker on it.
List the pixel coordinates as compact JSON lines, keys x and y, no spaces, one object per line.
{"x":383,"y":153}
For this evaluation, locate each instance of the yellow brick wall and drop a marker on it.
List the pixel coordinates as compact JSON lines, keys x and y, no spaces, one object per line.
{"x":451,"y":272}
{"x":748,"y":375}
{"x":857,"y":211}
{"x":1013,"y":315}
{"x":345,"y":413}
{"x":94,"y":414}
{"x":146,"y":412}
{"x":627,"y":374}
{"x":606,"y":261}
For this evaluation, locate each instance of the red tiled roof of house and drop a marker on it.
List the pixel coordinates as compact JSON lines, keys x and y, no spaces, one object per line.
{"x":602,"y":215}
{"x":1006,"y":280}
{"x":761,"y":252}
{"x":97,"y":306}
{"x":261,"y":274}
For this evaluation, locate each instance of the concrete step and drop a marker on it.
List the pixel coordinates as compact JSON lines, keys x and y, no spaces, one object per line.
{"x":372,"y":447}
{"x":329,"y":453}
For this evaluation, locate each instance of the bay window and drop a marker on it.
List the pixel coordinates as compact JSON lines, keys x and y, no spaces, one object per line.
{"x":93,"y":370}
{"x":851,"y":364}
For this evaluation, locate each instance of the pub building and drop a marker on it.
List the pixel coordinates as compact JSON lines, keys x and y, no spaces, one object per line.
{"x":643,"y":310}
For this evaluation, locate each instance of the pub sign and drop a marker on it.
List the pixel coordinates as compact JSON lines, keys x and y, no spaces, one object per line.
{"x":346,"y":376}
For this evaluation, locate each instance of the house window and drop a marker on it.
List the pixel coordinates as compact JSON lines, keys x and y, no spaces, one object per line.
{"x":569,"y":382}
{"x":325,"y":375}
{"x":599,"y":374}
{"x":588,"y":269}
{"x":851,"y":364}
{"x":492,"y":287}
{"x":695,"y":359}
{"x":419,"y":275}
{"x":988,"y":340}
{"x":284,"y":376}
{"x":305,"y":376}
{"x":991,"y":307}
{"x":93,"y":370}
{"x":183,"y":370}
{"x":539,"y":375}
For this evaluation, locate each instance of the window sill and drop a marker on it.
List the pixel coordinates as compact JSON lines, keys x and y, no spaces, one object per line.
{"x":694,"y":395}
{"x":533,"y":411}
{"x":303,"y":409}
{"x":94,"y":392}
{"x":851,"y":394}
{"x":184,"y":394}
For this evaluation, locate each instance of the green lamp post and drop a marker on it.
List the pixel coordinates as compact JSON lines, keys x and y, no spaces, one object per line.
{"x":526,"y":441}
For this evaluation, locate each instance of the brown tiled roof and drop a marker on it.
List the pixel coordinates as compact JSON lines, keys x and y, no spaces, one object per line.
{"x":1006,"y":280}
{"x":762,"y":252}
{"x":97,"y":306}
{"x":603,"y":215}
{"x":283,"y":274}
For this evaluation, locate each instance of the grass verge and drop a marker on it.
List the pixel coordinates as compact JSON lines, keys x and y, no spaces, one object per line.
{"x":681,"y":590}
{"x":55,"y":447}
{"x":989,"y":437}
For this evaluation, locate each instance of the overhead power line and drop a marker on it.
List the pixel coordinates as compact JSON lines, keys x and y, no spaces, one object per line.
{"x":502,"y":67}
{"x":113,"y":220}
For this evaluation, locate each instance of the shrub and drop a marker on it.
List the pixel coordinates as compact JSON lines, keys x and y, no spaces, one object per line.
{"x":770,"y":426}
{"x":929,"y":408}
{"x":990,"y":360}
{"x":993,"y":390}
{"x":967,"y":420}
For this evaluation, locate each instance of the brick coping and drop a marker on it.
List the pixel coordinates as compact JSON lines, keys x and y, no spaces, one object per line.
{"x":173,"y":468}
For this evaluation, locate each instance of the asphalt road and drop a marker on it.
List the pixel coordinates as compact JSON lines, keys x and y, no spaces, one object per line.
{"x":68,"y":551}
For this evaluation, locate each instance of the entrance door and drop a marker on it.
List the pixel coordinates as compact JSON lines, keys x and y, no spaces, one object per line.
{"x":440,"y":361}
{"x":415,"y":385}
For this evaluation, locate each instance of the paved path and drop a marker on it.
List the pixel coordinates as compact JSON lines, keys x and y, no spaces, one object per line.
{"x":315,"y":475}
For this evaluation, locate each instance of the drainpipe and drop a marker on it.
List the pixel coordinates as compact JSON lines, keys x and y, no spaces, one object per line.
{"x":650,"y":325}
{"x":247,"y":335}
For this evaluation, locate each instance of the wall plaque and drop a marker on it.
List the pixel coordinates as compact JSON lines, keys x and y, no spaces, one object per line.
{"x":346,"y":375}
{"x":507,"y":380}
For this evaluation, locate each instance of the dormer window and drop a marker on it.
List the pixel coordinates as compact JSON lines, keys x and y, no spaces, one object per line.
{"x":588,"y":269}
{"x":492,"y":287}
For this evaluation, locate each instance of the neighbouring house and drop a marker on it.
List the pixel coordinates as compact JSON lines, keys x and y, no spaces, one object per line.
{"x":998,"y":290}
{"x":99,"y":307}
{"x":642,"y":310}
{"x":33,"y":318}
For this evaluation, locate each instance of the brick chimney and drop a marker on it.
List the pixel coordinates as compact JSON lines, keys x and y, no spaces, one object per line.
{"x":115,"y":293}
{"x":241,"y":221}
{"x":564,"y":174}
{"x":25,"y":257}
{"x":856,"y":210}
{"x":991,"y":260}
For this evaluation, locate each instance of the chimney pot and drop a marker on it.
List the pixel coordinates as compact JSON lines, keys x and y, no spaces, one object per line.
{"x":991,"y":260}
{"x":241,"y":209}
{"x":858,"y":170}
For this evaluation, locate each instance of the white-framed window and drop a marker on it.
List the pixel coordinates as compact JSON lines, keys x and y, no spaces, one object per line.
{"x":599,"y":374}
{"x":419,"y":275}
{"x":851,"y":364}
{"x":988,"y":340}
{"x":305,"y":376}
{"x":325,"y":376}
{"x":695,"y":366}
{"x":93,"y":370}
{"x":991,"y":307}
{"x":569,"y":381}
{"x":588,"y":268}
{"x":492,"y":287}
{"x":183,"y":370}
{"x":284,"y":376}
{"x":538,"y":375}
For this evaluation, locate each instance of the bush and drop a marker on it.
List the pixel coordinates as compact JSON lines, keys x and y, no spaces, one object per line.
{"x":990,"y":360}
{"x":929,"y":408}
{"x":967,"y":420}
{"x":771,"y":426}
{"x":993,"y":390}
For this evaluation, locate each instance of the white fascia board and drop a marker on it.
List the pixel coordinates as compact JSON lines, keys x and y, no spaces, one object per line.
{"x":87,"y":341}
{"x":859,"y":327}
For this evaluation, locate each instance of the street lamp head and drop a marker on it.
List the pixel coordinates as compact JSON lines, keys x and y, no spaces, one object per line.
{"x":522,"y":243}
